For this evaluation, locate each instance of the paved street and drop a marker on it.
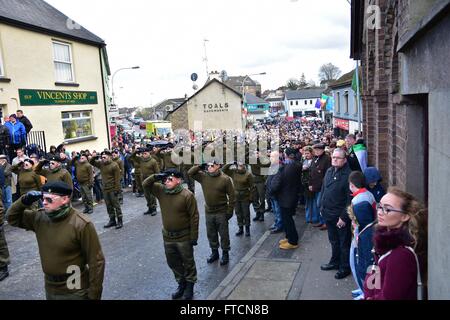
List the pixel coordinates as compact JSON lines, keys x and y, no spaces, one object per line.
{"x":136,"y":267}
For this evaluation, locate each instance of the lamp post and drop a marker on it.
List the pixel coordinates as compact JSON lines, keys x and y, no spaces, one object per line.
{"x":112,"y":81}
{"x":243,"y":87}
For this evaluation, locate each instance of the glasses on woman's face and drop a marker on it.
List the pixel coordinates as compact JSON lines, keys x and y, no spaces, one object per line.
{"x":385,"y":210}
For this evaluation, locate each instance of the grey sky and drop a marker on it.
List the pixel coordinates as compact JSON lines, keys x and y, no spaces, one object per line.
{"x":165,"y":38}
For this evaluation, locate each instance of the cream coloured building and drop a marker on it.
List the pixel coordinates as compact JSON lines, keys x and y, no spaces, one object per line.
{"x":56,"y":72}
{"x":214,"y":107}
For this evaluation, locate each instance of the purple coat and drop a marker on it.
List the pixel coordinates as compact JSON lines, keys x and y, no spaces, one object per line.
{"x":398,"y":270}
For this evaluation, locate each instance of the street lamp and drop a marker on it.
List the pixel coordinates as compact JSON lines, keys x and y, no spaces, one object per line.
{"x":112,"y":81}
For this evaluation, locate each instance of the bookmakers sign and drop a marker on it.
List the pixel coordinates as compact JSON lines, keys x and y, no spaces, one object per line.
{"x":52,"y":97}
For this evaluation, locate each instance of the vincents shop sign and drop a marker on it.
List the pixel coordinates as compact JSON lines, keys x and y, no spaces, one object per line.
{"x":52,"y":97}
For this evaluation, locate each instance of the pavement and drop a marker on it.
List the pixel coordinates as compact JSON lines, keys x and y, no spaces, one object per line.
{"x":269,"y":273}
{"x":136,"y":267}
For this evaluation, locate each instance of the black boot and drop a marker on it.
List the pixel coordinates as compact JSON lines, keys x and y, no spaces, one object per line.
{"x":247,"y":231}
{"x":225,"y":258}
{"x":111,"y":223}
{"x":119,"y":223}
{"x":189,"y":291}
{"x":91,"y":211}
{"x":258,"y":216}
{"x":86,"y":210}
{"x":4,"y":273}
{"x":214,"y":256}
{"x":148,"y":212}
{"x":180,"y":290}
{"x":240,"y":232}
{"x":153,"y":212}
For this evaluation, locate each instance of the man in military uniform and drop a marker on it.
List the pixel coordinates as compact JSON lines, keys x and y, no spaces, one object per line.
{"x":85,"y":178}
{"x":55,"y":171}
{"x":219,"y":206}
{"x":4,"y":253}
{"x":71,"y":254}
{"x":244,"y":188}
{"x":180,"y":219}
{"x":110,"y":172}
{"x":148,"y":166}
{"x":259,"y":194}
{"x":116,"y":159}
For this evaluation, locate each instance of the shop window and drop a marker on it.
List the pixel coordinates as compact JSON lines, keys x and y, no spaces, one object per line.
{"x":77,"y":124}
{"x":62,"y":56}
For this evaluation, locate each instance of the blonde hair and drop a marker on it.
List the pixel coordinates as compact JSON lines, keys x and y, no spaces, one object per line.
{"x":308,"y":149}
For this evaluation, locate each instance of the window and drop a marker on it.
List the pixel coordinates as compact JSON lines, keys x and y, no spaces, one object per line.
{"x":338,"y":102}
{"x":310,"y":102}
{"x":356,"y":104}
{"x":346,"y":102}
{"x":62,"y":56}
{"x":296,"y":103}
{"x":292,"y":103}
{"x":77,"y":124}
{"x":306,"y":102}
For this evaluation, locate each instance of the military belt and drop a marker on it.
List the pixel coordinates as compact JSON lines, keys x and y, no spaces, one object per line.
{"x":217,"y":207}
{"x":60,"y":278}
{"x":176,"y":234}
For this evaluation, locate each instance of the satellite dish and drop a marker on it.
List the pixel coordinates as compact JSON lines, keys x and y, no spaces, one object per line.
{"x":195,"y":87}
{"x":224,"y":76}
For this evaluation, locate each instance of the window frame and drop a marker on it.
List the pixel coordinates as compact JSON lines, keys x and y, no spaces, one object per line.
{"x":346,"y":102}
{"x":71,"y":60}
{"x":77,"y":118}
{"x":338,"y":102}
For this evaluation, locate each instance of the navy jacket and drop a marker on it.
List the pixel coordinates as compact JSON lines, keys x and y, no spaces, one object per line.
{"x":286,"y":185}
{"x":335,"y":196}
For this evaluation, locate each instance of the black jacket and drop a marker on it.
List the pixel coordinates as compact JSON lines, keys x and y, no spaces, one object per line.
{"x":4,"y":136}
{"x":335,"y":197}
{"x":286,"y":185}
{"x":26,"y":123}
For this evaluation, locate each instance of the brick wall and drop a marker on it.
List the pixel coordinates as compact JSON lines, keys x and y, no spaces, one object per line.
{"x":385,"y":119}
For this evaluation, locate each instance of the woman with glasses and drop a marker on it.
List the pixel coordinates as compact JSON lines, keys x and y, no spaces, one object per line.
{"x":400,"y":249}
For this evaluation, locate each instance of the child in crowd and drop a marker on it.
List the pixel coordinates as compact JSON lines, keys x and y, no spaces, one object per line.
{"x":373,"y":180}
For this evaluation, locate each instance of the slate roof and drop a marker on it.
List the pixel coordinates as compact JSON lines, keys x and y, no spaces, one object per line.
{"x":38,"y":15}
{"x":237,"y":82}
{"x":346,"y":79}
{"x":304,"y":94}
{"x":254,"y":100}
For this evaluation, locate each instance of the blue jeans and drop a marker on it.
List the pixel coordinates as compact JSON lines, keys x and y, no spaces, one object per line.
{"x":313,"y":210}
{"x":7,"y":197}
{"x":278,"y":225}
{"x":353,"y":260}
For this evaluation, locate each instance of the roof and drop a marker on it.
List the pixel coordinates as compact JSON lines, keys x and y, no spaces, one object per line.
{"x":304,"y":94}
{"x":174,"y":101}
{"x":204,"y":87}
{"x":346,"y":79}
{"x":274,"y":99}
{"x":39,"y":16}
{"x":237,"y":81}
{"x":251,"y":99}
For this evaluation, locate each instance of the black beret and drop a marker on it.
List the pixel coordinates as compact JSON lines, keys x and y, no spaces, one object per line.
{"x":58,"y":187}
{"x":29,"y":161}
{"x":116,"y":151}
{"x":106,"y":153}
{"x":174,"y":173}
{"x":55,"y":158}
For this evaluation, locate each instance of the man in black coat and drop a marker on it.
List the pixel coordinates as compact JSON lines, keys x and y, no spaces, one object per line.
{"x":24,"y":120}
{"x":335,"y":198}
{"x":4,"y":139}
{"x":286,"y":186}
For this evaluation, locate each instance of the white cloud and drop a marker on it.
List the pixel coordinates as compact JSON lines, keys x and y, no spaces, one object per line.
{"x":165,"y":37}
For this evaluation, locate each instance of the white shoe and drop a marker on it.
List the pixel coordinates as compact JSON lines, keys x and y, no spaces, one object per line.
{"x":358,"y":298}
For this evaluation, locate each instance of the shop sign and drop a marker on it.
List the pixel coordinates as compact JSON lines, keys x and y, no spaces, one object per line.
{"x":53,"y":97}
{"x":342,"y":124}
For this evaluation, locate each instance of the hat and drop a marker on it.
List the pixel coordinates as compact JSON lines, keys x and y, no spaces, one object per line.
{"x":2,"y":156}
{"x":174,"y":173}
{"x":58,"y":187}
{"x":13,"y":116}
{"x":372,"y":175}
{"x":29,"y":161}
{"x":319,"y":146}
{"x":106,"y":153}
{"x":55,"y":158}
{"x":340,"y":143}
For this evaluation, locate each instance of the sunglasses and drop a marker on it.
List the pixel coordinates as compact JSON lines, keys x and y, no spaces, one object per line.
{"x":50,"y":200}
{"x":168,"y":179}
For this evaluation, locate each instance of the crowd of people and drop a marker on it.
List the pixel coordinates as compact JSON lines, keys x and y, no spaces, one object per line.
{"x":378,"y":237}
